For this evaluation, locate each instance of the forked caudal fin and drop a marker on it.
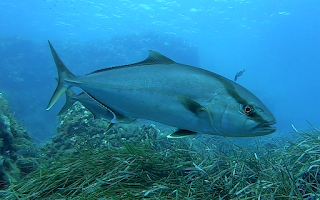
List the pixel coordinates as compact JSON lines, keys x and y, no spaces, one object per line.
{"x":70,"y":100}
{"x":63,"y":74}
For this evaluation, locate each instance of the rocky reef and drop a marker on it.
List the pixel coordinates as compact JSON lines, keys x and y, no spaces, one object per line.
{"x":79,"y":130}
{"x":18,"y":152}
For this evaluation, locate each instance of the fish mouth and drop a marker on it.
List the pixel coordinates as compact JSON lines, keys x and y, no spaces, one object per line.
{"x":265,"y":128}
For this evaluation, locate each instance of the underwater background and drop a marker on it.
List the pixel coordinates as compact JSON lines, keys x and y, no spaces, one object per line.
{"x":276,"y":42}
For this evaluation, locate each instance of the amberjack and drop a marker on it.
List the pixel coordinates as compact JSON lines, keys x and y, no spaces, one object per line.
{"x":189,"y":98}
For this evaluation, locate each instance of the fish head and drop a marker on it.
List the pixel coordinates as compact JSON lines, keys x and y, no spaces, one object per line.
{"x":240,"y":113}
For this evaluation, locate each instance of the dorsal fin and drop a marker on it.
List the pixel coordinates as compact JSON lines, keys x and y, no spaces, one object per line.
{"x":156,"y":58}
{"x":153,"y":58}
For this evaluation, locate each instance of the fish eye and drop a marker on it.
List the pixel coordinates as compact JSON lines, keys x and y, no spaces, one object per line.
{"x":247,"y":109}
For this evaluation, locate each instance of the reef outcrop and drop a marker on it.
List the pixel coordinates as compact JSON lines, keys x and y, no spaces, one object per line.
{"x":18,"y":155}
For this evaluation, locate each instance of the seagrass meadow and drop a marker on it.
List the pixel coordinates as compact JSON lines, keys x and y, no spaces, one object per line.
{"x":137,"y":161}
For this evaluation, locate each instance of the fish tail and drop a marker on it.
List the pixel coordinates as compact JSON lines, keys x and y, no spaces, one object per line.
{"x":70,"y":99}
{"x":64,"y":74}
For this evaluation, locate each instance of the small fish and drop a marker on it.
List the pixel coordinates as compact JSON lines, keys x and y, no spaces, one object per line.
{"x":23,"y":152}
{"x":238,"y":75}
{"x":191,"y":99}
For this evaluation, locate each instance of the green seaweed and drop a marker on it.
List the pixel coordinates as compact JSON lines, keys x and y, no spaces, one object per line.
{"x":221,"y":171}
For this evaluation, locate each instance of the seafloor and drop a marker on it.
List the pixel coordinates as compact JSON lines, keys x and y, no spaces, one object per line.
{"x":135,"y":161}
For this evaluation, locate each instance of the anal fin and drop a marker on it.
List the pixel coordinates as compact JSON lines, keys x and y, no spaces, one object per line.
{"x":182,"y":134}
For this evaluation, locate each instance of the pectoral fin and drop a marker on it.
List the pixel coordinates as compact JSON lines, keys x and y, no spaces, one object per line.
{"x":191,"y":105}
{"x":182,"y":134}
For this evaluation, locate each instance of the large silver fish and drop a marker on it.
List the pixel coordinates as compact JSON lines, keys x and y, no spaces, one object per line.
{"x":191,"y":99}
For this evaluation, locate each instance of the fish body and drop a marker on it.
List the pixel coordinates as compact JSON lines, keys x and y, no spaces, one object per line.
{"x":191,"y":99}
{"x":153,"y":97}
{"x":239,"y":74}
{"x":23,"y":152}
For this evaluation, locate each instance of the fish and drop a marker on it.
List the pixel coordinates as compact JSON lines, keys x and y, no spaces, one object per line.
{"x":191,"y":99}
{"x":23,"y":152}
{"x":238,"y":74}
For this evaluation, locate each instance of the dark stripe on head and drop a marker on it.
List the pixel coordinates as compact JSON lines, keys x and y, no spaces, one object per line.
{"x":234,"y":94}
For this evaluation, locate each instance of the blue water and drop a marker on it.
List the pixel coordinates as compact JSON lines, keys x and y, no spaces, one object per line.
{"x":276,"y":42}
